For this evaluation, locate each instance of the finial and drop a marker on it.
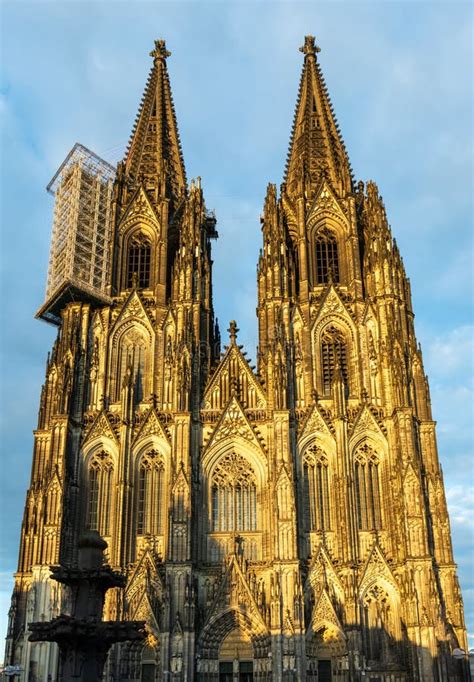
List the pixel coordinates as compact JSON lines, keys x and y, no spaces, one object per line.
{"x":160,"y":52}
{"x":233,"y":331}
{"x":310,"y":47}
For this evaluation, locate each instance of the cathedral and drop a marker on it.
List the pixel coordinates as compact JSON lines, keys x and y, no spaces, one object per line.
{"x":280,"y":522}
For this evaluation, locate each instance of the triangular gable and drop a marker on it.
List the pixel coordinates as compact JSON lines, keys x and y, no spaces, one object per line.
{"x":139,"y":208}
{"x":323,"y":613}
{"x":233,"y":352}
{"x":283,"y":476}
{"x":368,"y":312}
{"x":325,"y":201}
{"x":234,"y":592}
{"x":101,"y":428}
{"x":134,"y":308}
{"x":315,"y":423}
{"x":177,"y":627}
{"x":288,"y":626}
{"x":54,"y":480}
{"x":144,"y":611}
{"x":322,"y":574}
{"x":144,"y":575}
{"x":152,"y":426}
{"x":376,"y":568}
{"x":297,"y":316}
{"x":232,"y":423}
{"x":332,"y":304}
{"x":180,"y":479}
{"x":365,"y":421}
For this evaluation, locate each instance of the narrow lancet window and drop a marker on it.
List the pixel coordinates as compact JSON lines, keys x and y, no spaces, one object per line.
{"x":367,"y":489}
{"x":316,"y":491}
{"x":100,"y":493}
{"x":150,"y":494}
{"x":333,"y":352}
{"x":327,"y":261}
{"x":138,"y":263}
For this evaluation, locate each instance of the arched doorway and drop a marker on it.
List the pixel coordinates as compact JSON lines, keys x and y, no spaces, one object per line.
{"x":236,"y":657}
{"x":148,"y":664}
{"x":234,"y":648}
{"x":326,"y":654}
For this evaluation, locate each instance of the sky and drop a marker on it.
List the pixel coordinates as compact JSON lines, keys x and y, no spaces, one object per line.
{"x":400,"y":76}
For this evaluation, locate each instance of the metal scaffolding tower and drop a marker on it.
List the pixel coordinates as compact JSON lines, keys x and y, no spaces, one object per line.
{"x":80,"y":255}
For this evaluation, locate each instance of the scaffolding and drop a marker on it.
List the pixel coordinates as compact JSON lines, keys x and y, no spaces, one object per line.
{"x":80,"y":254}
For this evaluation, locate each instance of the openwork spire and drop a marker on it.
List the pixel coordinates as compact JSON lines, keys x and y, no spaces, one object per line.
{"x":154,"y":149}
{"x":316,"y":146}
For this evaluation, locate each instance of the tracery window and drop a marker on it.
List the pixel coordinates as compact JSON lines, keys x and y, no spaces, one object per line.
{"x":333,"y":352}
{"x":316,"y":490}
{"x":327,"y":261}
{"x":234,"y":495}
{"x":131,"y":353}
{"x":367,"y":489}
{"x":138,"y":261}
{"x":100,"y":492}
{"x":150,"y":494}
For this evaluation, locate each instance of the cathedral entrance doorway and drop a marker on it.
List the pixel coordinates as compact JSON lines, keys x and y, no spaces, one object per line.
{"x":236,"y":671}
{"x":236,"y":657}
{"x":324,"y":671}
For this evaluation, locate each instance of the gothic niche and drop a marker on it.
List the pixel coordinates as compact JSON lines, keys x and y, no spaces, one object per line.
{"x":100,"y":486}
{"x":381,"y":630}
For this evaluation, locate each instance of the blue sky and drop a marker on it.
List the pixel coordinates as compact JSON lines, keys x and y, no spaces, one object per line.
{"x":400,"y":78}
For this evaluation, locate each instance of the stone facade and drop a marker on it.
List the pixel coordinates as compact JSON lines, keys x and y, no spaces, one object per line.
{"x":283,"y":523}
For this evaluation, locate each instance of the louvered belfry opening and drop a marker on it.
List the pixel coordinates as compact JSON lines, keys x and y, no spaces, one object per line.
{"x":139,"y":259}
{"x":333,"y":348}
{"x":327,"y":261}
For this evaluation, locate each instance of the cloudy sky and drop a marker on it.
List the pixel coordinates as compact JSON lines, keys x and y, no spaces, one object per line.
{"x":400,"y":78}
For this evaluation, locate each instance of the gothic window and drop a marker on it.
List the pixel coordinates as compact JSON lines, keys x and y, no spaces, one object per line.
{"x":132,"y":353}
{"x":367,"y":489}
{"x":138,"y":261}
{"x":150,"y":494}
{"x":327,"y":261}
{"x":316,"y":491}
{"x":100,"y":493}
{"x":333,"y":351}
{"x":234,"y":495}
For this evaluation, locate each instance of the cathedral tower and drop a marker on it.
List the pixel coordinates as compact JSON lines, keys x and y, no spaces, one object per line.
{"x":288,"y":523}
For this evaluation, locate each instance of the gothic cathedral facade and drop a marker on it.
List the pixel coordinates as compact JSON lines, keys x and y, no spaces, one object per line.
{"x":287,"y":522}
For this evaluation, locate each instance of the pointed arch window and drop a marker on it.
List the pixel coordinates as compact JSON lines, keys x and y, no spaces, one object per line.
{"x":333,"y":353}
{"x":150,"y":494}
{"x":132,"y":353}
{"x":138,"y":261}
{"x":100,"y":492}
{"x":327,"y":258}
{"x":316,"y":491}
{"x":234,"y":495}
{"x":367,"y":489}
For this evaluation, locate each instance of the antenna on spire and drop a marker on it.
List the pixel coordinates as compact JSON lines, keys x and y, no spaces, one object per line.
{"x":310,"y":48}
{"x":160,"y":52}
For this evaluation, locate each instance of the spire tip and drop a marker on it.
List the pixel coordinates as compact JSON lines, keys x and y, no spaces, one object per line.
{"x":310,"y":47}
{"x":160,"y":53}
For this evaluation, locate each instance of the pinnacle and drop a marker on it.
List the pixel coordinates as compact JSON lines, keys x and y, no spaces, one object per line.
{"x":160,"y":53}
{"x":233,"y":330}
{"x":310,"y":48}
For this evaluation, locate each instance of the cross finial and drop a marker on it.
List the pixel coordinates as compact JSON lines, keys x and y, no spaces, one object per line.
{"x":160,"y":52}
{"x":310,"y":47}
{"x":233,"y":331}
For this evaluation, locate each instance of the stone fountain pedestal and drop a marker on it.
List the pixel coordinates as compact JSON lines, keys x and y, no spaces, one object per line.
{"x":84,"y":639}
